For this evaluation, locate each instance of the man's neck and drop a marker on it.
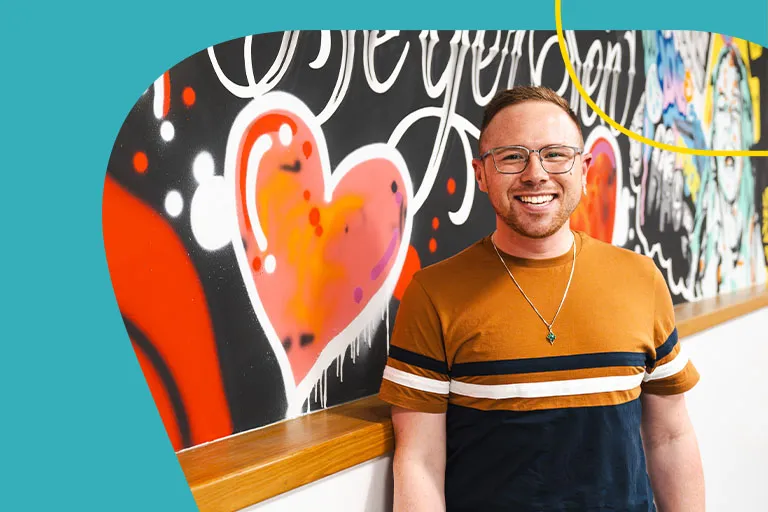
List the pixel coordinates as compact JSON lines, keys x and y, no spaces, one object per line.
{"x":515,"y":244}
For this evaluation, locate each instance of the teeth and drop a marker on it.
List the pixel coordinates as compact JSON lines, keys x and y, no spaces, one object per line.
{"x":537,"y":199}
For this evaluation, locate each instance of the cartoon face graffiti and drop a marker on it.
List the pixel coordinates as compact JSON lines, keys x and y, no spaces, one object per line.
{"x":727,"y":128}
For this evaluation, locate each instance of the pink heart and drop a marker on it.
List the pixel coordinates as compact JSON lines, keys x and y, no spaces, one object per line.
{"x":319,"y":252}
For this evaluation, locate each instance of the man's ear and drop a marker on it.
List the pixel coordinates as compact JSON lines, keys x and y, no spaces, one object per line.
{"x":586,"y":162}
{"x":480,"y":174}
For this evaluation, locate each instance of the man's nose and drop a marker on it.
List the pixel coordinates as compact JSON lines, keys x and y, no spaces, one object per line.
{"x":534,"y":171}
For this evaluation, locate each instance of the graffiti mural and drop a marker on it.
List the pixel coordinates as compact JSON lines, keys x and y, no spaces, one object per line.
{"x":707,"y":204}
{"x":268,"y":199}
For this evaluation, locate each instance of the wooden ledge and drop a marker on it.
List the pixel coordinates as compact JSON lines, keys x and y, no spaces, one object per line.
{"x":241,"y":470}
{"x":693,"y":317}
{"x":238,"y":471}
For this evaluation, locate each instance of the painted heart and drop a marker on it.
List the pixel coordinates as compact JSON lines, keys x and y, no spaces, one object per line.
{"x":320,"y":252}
{"x":597,"y":212}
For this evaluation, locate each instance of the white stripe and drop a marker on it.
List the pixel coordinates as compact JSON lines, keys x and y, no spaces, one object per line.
{"x":548,"y":389}
{"x":416,"y":381}
{"x":668,"y":369}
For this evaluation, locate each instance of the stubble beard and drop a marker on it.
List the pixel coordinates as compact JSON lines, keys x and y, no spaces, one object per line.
{"x":536,"y":229}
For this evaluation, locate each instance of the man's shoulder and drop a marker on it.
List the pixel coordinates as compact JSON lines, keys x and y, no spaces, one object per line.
{"x":613,"y":257}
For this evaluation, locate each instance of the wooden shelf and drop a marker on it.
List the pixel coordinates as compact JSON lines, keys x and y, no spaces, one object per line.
{"x":693,"y":317}
{"x":244,"y":469}
{"x":241,"y":470}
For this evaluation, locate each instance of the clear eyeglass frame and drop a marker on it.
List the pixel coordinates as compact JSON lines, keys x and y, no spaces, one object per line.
{"x":493,"y":151}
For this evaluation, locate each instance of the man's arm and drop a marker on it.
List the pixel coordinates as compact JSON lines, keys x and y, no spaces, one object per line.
{"x":672,"y":452}
{"x":419,"y":461}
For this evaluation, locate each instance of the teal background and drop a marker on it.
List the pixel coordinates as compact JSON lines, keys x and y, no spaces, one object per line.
{"x":79,"y":427}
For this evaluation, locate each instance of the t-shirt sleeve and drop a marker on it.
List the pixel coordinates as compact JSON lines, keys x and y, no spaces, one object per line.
{"x":669,"y":371}
{"x":416,"y":374}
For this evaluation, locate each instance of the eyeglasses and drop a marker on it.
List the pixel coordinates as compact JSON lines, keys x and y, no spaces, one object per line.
{"x":555,"y":159}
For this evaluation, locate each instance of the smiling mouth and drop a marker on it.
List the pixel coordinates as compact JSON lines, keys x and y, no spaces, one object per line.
{"x":541,"y":199}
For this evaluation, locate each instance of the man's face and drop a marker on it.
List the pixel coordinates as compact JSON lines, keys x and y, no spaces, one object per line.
{"x":726,"y":133}
{"x":533,"y":124}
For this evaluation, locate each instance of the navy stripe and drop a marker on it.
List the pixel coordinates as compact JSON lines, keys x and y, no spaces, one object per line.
{"x":669,"y":345}
{"x":408,"y":357}
{"x":549,"y":364}
{"x":576,"y":458}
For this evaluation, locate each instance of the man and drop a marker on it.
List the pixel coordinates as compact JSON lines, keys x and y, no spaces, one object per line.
{"x":523,"y":370}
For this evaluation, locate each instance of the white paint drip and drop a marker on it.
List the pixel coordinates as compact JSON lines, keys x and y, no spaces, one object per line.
{"x":325,"y":389}
{"x":387,"y":324}
{"x":319,"y":391}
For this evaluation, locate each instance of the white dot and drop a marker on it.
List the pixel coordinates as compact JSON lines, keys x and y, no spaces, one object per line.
{"x":202,"y":167}
{"x":174,"y":203}
{"x":631,"y":233}
{"x":269,"y":262}
{"x":208,"y":212}
{"x":166,"y":131}
{"x":285,"y":134}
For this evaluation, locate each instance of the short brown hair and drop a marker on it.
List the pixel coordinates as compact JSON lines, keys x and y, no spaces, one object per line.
{"x":519,"y":94}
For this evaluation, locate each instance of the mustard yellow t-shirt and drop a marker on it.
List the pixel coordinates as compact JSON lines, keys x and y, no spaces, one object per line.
{"x":533,"y":424}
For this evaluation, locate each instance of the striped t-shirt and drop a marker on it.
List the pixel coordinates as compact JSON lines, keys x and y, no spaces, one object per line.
{"x":533,"y":425}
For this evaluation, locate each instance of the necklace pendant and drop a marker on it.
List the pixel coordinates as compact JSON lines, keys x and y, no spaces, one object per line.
{"x":551,"y":338}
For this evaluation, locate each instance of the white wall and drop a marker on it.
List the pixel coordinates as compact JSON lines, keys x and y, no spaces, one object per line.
{"x":729,"y":410}
{"x":366,"y":487}
{"x":728,"y":407}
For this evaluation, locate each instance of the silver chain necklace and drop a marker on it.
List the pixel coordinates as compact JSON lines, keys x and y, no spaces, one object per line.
{"x":551,"y":336}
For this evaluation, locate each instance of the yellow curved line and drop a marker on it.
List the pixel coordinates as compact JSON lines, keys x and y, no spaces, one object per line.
{"x":629,"y":133}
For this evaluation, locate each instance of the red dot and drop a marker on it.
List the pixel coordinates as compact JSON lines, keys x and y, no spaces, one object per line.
{"x":435,"y":223}
{"x":432,"y":245}
{"x":140,"y":162}
{"x":307,"y":148}
{"x":188,"y":96}
{"x":451,"y":186}
{"x":256,"y":264}
{"x":307,"y":195}
{"x":314,"y":216}
{"x":319,"y":230}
